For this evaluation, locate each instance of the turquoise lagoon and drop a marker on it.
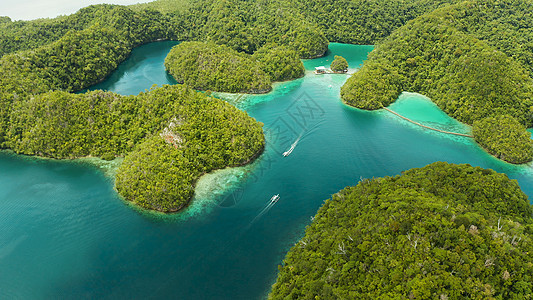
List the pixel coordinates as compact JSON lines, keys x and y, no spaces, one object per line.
{"x":66,"y":234}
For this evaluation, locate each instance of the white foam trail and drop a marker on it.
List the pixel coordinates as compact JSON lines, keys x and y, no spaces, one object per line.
{"x":293,"y":145}
{"x":312,"y":129}
{"x":263,"y":211}
{"x":302,"y":136}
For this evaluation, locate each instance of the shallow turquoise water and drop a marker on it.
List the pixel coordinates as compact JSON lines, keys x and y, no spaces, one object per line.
{"x":65,"y":234}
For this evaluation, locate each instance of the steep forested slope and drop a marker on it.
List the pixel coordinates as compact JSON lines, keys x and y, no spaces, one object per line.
{"x":451,"y":56}
{"x":169,"y":137}
{"x":440,"y":232}
{"x":363,"y":21}
{"x":137,"y":27}
{"x":199,"y":134}
{"x":208,"y":66}
{"x":504,"y":137}
{"x":242,"y":25}
{"x":473,"y":58}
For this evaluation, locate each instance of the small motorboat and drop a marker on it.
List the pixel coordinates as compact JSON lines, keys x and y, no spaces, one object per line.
{"x":274,"y":199}
{"x":293,"y":145}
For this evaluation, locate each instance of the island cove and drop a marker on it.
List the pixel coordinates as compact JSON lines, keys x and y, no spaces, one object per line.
{"x":169,"y":136}
{"x":218,"y":229}
{"x":160,"y":185}
{"x":67,"y":233}
{"x":471,"y":74}
{"x":39,"y":75}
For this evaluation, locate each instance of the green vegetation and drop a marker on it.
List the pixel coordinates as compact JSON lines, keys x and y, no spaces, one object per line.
{"x":451,"y":56}
{"x":473,"y":58}
{"x":208,"y":66}
{"x":38,"y":115}
{"x":74,"y":61}
{"x":169,"y":137}
{"x":504,"y":137}
{"x":135,"y":28}
{"x":248,"y":25}
{"x":440,"y":232}
{"x":363,"y":22}
{"x":339,"y":64}
{"x":44,"y":60}
{"x":164,"y":6}
{"x":239,"y":24}
{"x":200,"y":134}
{"x":466,"y":77}
{"x":279,"y":62}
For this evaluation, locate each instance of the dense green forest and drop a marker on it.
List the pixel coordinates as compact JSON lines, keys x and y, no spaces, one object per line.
{"x":452,"y":56}
{"x":209,"y":66}
{"x":504,"y":137}
{"x":339,"y":64}
{"x":245,"y":26}
{"x":169,"y":136}
{"x":134,"y":27}
{"x":44,"y":61}
{"x":443,"y":231}
{"x":200,"y":134}
{"x":344,"y":21}
{"x":279,"y":62}
{"x":473,"y":58}
{"x":363,"y":22}
{"x":241,"y":25}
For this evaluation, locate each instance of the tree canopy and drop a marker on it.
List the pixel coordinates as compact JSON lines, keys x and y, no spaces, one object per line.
{"x":339,"y":64}
{"x":504,"y":137}
{"x":208,"y":66}
{"x":279,"y":62}
{"x":473,"y":58}
{"x":199,"y":134}
{"x":443,"y":231}
{"x":169,"y":137}
{"x":451,"y":56}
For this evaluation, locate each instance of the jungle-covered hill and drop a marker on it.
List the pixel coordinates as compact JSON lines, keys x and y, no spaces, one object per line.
{"x":443,"y":231}
{"x":473,"y":59}
{"x":185,"y":131}
{"x":169,"y":137}
{"x":209,"y":66}
{"x":40,"y":114}
{"x":475,"y":54}
{"x":43,"y":62}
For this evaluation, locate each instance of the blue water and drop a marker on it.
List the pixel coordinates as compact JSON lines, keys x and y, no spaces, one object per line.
{"x":140,"y":71}
{"x":65,"y":234}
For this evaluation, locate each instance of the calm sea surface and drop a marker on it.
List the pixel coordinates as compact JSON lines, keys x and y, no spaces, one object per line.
{"x":66,"y":235}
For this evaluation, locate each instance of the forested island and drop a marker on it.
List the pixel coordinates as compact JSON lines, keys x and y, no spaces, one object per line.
{"x":44,"y":62}
{"x":443,"y":231}
{"x":208,"y":66}
{"x":473,"y":59}
{"x":169,"y":136}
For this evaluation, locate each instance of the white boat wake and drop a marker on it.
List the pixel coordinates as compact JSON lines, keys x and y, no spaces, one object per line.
{"x":302,"y":135}
{"x":269,"y":205}
{"x":293,"y":145}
